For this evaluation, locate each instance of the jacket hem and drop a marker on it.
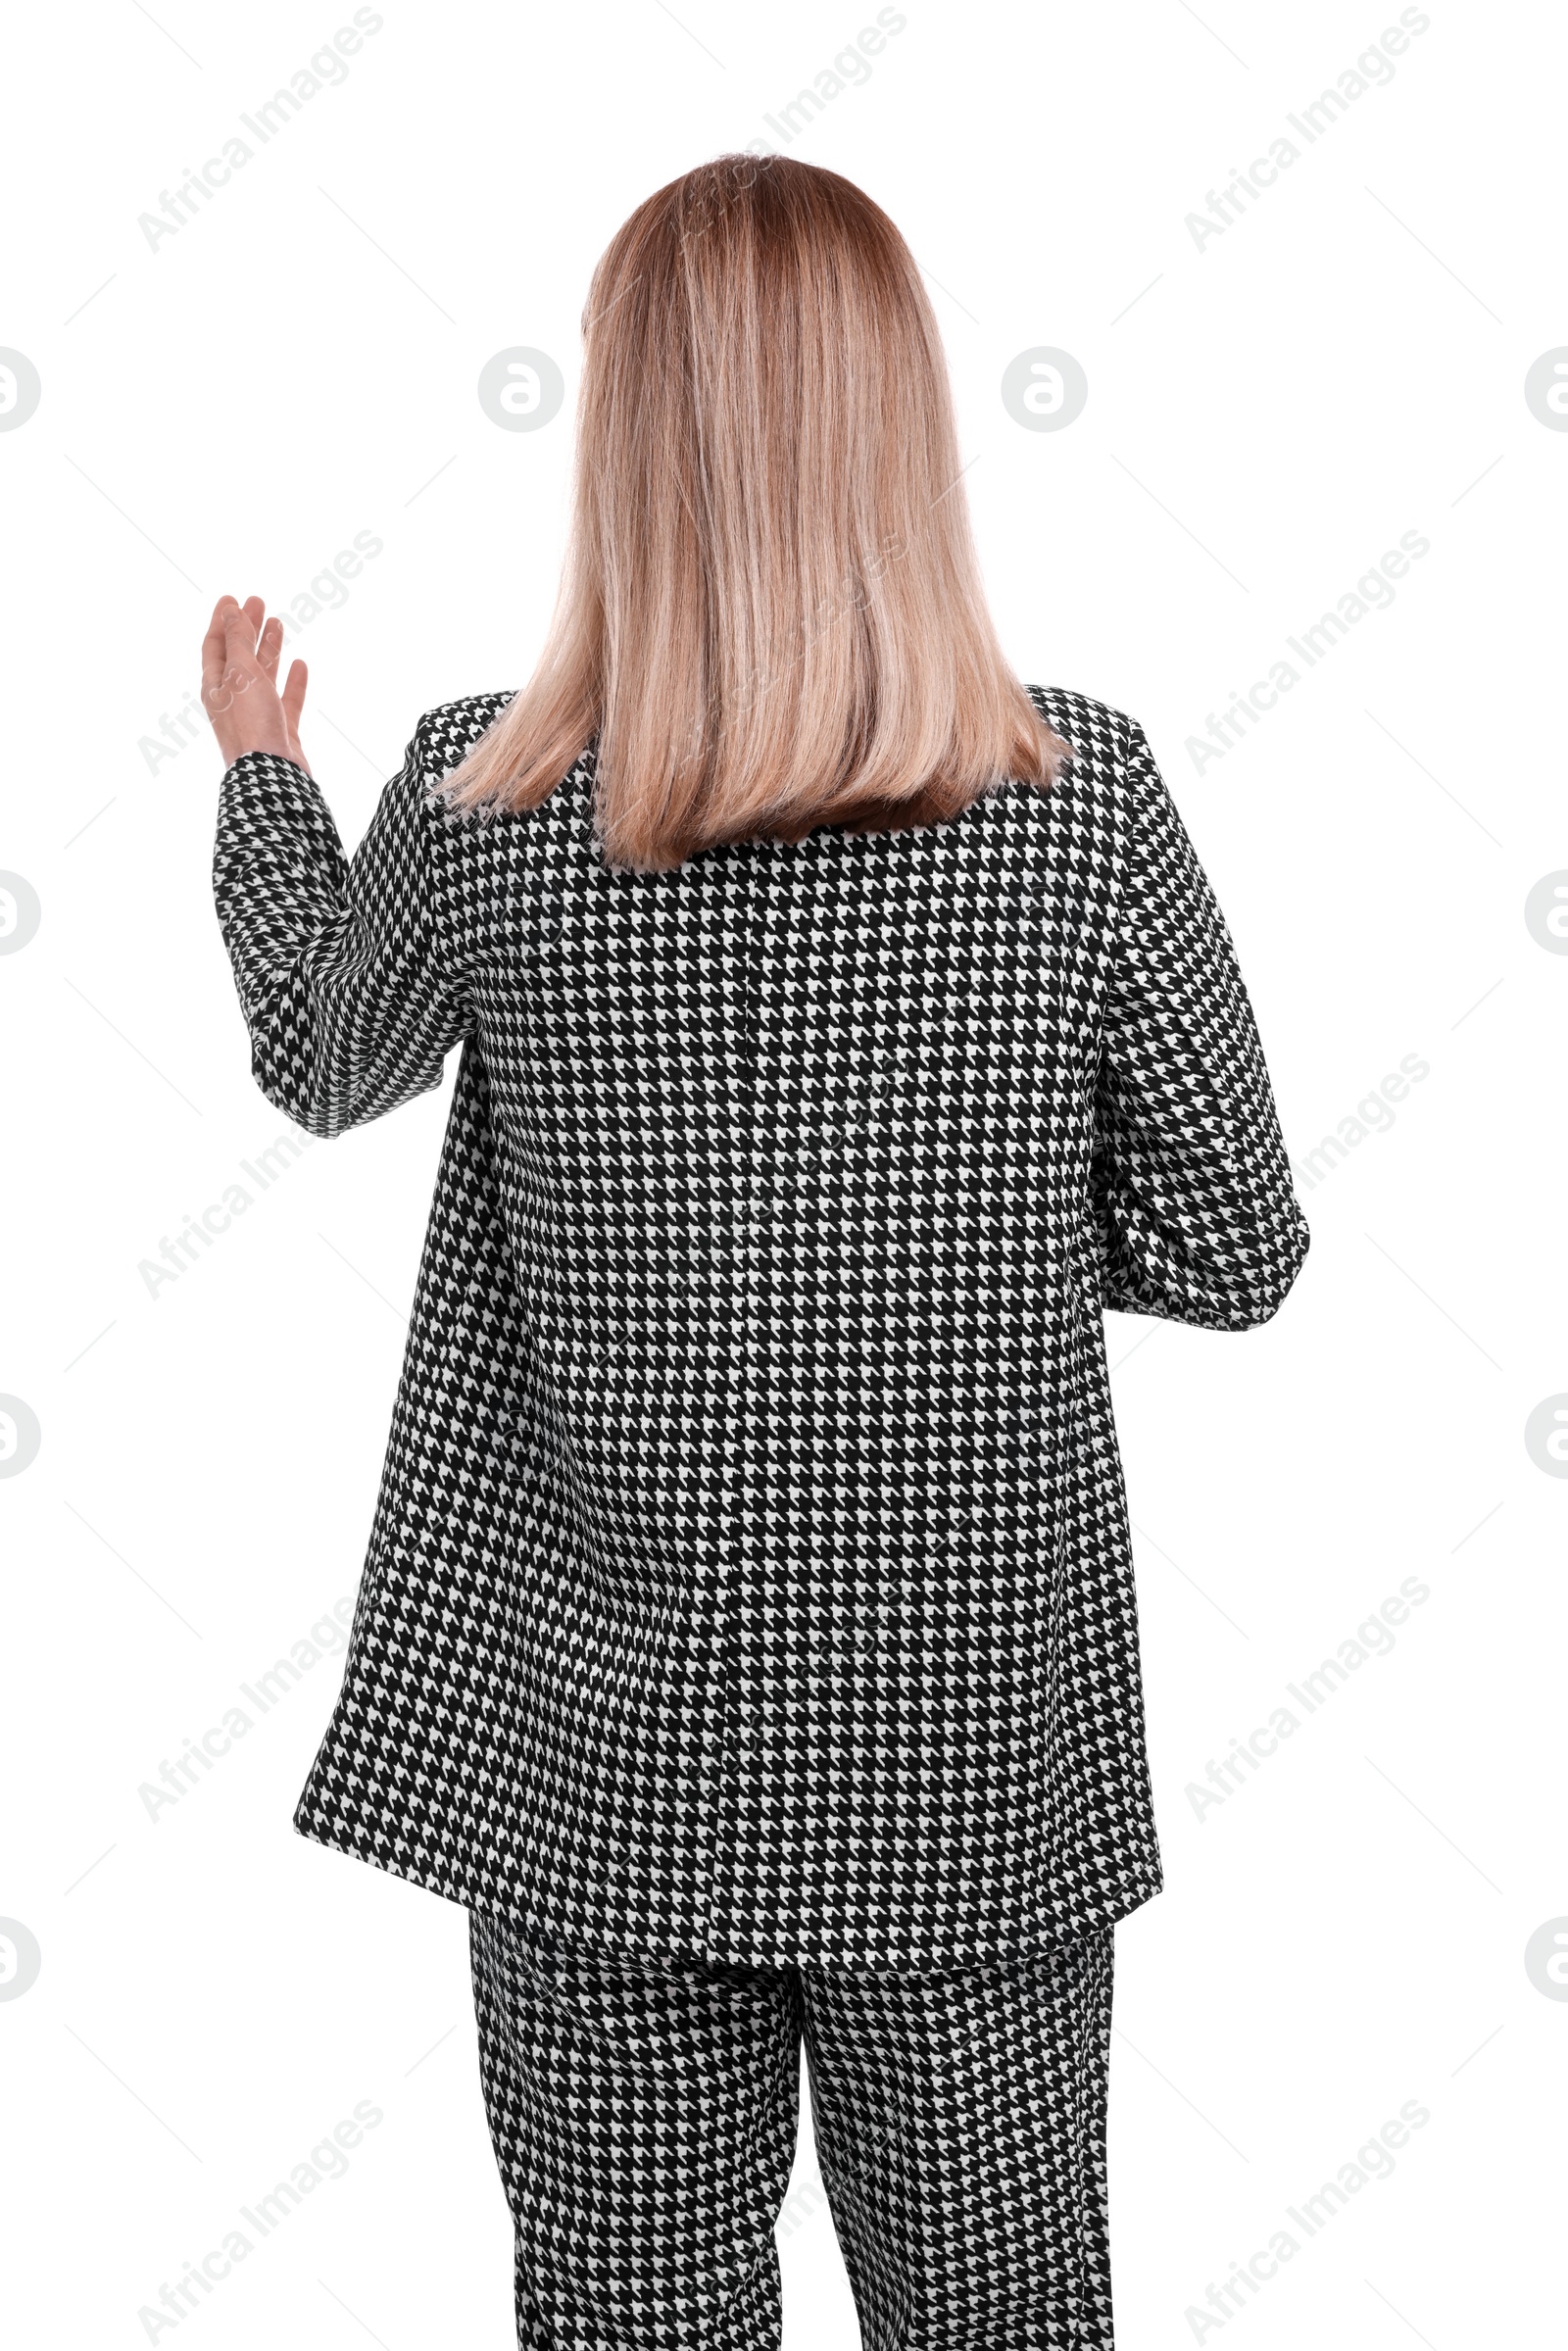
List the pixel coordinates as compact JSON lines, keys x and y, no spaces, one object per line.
{"x":938,"y":1952}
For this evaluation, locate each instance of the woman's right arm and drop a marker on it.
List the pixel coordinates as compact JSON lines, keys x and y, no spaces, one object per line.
{"x":1197,"y":1218}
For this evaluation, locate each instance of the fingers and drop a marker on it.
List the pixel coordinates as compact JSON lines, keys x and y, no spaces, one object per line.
{"x":240,"y":655}
{"x":293,"y":704}
{"x":240,"y":624}
{"x":215,"y":653}
{"x":224,"y":657}
{"x":237,"y":665}
{"x":269,"y":645}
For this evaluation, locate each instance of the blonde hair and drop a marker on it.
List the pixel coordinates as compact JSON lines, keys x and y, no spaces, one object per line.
{"x":770,"y":614}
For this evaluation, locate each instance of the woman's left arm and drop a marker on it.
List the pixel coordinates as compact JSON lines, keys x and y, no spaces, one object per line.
{"x":349,"y":1001}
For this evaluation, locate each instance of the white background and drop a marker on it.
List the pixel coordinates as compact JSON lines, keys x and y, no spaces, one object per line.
{"x":1268,"y":412}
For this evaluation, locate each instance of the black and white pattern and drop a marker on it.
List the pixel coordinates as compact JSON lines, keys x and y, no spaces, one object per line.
{"x":750,"y":1578}
{"x":644,"y":2118}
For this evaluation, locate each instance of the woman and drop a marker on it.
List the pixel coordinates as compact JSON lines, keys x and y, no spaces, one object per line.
{"x":748,"y":1636}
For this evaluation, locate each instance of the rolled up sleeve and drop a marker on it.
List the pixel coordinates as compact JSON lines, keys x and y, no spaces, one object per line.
{"x":1196,"y":1217}
{"x":348,"y":998}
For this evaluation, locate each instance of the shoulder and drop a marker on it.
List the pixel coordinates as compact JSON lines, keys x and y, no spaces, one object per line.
{"x":1103,"y":742}
{"x":445,"y":735}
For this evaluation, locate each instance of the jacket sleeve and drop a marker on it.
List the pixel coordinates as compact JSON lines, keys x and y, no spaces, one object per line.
{"x":1197,"y":1218}
{"x":350,"y":1007}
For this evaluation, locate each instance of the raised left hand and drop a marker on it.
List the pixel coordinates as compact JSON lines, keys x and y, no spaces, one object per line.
{"x":240,"y":683}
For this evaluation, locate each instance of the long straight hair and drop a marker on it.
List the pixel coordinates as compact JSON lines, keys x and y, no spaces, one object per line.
{"x":770,"y":616}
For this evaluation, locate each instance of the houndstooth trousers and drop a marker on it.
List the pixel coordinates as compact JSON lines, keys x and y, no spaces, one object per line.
{"x":644,"y":2118}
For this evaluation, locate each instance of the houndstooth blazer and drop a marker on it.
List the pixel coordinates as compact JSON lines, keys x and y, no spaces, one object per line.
{"x":750,"y":1578}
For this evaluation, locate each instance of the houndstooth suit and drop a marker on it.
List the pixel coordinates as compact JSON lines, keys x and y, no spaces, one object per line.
{"x":750,"y":1579}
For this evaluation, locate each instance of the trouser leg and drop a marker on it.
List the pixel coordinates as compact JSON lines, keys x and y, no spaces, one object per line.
{"x":644,"y":2118}
{"x":961,"y":2132}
